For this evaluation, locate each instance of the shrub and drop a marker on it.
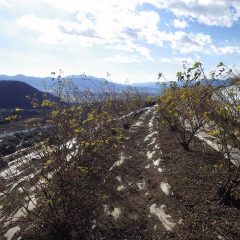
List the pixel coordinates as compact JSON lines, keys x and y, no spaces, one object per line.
{"x":76,"y":153}
{"x":197,"y":106}
{"x":184,"y":111}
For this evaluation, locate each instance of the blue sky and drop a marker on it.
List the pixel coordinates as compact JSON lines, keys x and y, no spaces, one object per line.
{"x":133,"y":40}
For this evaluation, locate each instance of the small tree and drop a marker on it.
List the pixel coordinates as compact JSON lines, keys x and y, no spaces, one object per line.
{"x":225,"y":124}
{"x":183,"y":107}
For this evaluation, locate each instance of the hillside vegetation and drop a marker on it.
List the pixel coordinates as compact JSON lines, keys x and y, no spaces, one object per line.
{"x":121,"y":165}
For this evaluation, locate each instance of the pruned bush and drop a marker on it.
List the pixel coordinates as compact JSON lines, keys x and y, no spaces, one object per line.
{"x":224,"y":123}
{"x":78,"y":140}
{"x":184,"y":111}
{"x":195,"y":105}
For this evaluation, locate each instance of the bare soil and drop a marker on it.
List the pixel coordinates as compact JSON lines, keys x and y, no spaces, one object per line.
{"x":193,"y":203}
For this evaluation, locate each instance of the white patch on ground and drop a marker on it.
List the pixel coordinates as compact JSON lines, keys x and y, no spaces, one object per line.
{"x":150,"y":125}
{"x":165,"y":187}
{"x":133,"y":113}
{"x":141,"y":185}
{"x":72,"y":154}
{"x":121,"y":188}
{"x":70,"y":144}
{"x":141,"y":120}
{"x":160,"y":170}
{"x":20,"y":213}
{"x":147,"y":193}
{"x":205,"y":137}
{"x":21,"y":180}
{"x":20,"y":190}
{"x":156,"y":162}
{"x":119,"y":178}
{"x":30,"y":205}
{"x":94,"y":224}
{"x":153,"y":141}
{"x":235,"y":157}
{"x":150,"y":154}
{"x":149,"y":136}
{"x":119,"y":162}
{"x":13,"y":167}
{"x":156,"y":147}
{"x":180,"y":221}
{"x":235,"y":153}
{"x":138,"y":124}
{"x":50,"y":175}
{"x":12,"y":170}
{"x":17,"y":183}
{"x":115,"y":213}
{"x":11,"y":232}
{"x":143,"y":117}
{"x":32,"y":202}
{"x":106,"y":209}
{"x":148,"y":166}
{"x":163,"y":217}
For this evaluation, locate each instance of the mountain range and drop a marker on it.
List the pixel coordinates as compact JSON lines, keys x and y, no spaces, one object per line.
{"x":14,"y":89}
{"x":83,"y":82}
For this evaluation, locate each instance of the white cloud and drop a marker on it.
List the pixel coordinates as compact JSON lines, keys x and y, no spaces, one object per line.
{"x":177,"y":23}
{"x":122,"y":59}
{"x":188,"y":43}
{"x":225,"y":50}
{"x":176,"y":59}
{"x":122,"y":27}
{"x":209,"y":12}
{"x":3,"y":3}
{"x":97,"y":22}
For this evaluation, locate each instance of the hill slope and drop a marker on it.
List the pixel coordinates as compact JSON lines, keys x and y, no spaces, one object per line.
{"x":13,"y":94}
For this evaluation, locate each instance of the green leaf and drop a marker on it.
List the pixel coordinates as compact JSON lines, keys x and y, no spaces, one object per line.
{"x":220,"y":64}
{"x":197,"y":64}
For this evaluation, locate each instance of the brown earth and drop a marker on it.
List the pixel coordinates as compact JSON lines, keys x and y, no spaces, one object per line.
{"x":192,"y":203}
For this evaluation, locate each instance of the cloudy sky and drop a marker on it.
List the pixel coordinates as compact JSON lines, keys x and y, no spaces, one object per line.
{"x":133,"y":40}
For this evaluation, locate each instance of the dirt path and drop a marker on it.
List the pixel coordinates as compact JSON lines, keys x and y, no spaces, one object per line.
{"x":163,"y":192}
{"x":142,"y":194}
